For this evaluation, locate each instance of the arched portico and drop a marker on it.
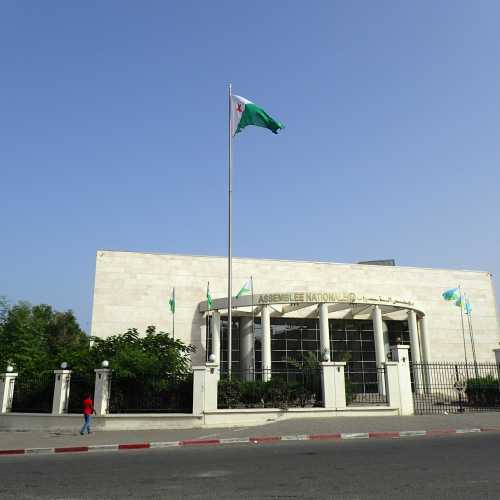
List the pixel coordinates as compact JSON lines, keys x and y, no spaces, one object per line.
{"x":323,"y":307}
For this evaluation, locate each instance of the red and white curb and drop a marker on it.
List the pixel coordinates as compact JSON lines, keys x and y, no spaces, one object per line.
{"x":337,"y":436}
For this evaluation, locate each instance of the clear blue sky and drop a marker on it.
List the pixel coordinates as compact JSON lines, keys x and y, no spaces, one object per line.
{"x":113,"y":135}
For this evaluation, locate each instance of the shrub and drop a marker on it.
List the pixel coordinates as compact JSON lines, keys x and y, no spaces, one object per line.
{"x":482,"y":391}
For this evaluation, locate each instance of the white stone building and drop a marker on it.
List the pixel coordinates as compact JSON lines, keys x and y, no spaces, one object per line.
{"x":297,"y":307}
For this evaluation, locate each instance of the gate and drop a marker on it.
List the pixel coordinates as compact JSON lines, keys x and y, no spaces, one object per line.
{"x":440,"y":388}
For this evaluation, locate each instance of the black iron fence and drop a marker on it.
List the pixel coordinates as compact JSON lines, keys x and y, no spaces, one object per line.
{"x":151,"y":394}
{"x":270,"y":389}
{"x":367,"y":388}
{"x":455,"y":387}
{"x":80,"y":385}
{"x":33,"y":393}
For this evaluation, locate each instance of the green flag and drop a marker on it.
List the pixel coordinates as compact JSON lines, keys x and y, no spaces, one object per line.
{"x":209,"y":297}
{"x":245,"y":112}
{"x":172,"y":301}
{"x":245,"y":289}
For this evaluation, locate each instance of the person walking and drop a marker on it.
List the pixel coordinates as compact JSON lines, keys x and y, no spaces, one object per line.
{"x":88,"y":410}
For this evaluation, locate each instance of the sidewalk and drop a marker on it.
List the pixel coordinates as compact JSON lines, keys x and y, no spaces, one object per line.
{"x":293,"y":427}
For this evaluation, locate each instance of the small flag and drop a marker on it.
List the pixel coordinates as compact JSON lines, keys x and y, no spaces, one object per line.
{"x":209,"y":297}
{"x":453,"y":294}
{"x":245,"y":289}
{"x":467,"y":307}
{"x":172,"y":301}
{"x":245,"y":112}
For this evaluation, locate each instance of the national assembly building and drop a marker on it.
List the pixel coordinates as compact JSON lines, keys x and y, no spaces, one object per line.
{"x":352,"y":312}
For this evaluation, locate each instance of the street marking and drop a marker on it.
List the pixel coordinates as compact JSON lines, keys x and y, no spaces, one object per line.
{"x":355,"y":435}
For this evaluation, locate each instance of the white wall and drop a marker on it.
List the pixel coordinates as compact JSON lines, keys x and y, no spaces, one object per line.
{"x":133,"y":289}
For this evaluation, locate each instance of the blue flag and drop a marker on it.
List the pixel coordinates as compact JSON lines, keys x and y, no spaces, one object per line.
{"x":451,"y":294}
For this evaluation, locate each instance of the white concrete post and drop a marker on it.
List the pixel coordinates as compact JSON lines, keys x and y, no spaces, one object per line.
{"x":378,"y":333}
{"x":216,"y":336}
{"x":246,"y":347}
{"x":415,"y":350}
{"x":102,"y":390}
{"x":266,"y":343}
{"x":7,"y":381}
{"x":333,"y":385}
{"x":392,"y":384}
{"x":324,"y":333}
{"x":205,"y":382}
{"x":61,"y":392}
{"x":400,"y":355}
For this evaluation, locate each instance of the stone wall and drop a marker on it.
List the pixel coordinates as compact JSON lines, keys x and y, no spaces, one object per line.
{"x":133,"y":289}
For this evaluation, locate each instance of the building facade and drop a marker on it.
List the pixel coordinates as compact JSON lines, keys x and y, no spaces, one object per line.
{"x":352,"y":312}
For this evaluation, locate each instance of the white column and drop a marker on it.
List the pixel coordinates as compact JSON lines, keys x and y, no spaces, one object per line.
{"x":7,"y":381}
{"x":102,"y":390}
{"x":246,"y":347}
{"x":401,"y":357}
{"x":424,"y":338}
{"x":415,"y":350}
{"x":216,"y":336}
{"x":266,"y":343}
{"x":426,"y":356}
{"x":61,"y":392}
{"x":324,"y":333}
{"x":378,"y":333}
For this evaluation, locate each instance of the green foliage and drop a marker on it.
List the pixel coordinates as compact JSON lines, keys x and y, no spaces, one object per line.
{"x":275,"y":393}
{"x":482,"y":391}
{"x":36,"y":339}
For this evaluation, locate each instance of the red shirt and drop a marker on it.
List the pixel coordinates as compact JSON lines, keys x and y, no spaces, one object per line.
{"x":87,"y":406}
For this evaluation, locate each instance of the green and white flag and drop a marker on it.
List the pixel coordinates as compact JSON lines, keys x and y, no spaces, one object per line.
{"x":172,"y":301}
{"x":209,"y":297}
{"x":245,"y":112}
{"x":245,"y":289}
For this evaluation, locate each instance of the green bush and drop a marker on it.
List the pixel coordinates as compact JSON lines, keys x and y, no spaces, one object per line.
{"x":482,"y":391}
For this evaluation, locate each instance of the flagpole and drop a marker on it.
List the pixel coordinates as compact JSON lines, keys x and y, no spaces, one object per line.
{"x":253,"y":329}
{"x":463,"y":329}
{"x":471,"y":335}
{"x":229,"y":244}
{"x":173,"y":315}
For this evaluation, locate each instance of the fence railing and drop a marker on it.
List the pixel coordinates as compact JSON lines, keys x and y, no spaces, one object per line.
{"x":366,"y":388}
{"x":33,"y":394}
{"x":270,"y":389}
{"x":151,"y":394}
{"x":455,"y":387}
{"x":80,"y":385}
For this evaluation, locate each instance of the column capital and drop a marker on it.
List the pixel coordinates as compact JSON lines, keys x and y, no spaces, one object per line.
{"x":62,"y":372}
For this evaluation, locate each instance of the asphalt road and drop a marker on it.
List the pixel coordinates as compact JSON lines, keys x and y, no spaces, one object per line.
{"x":458,"y":467}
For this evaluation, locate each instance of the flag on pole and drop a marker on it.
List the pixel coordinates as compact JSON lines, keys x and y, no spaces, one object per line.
{"x":453,"y":294}
{"x":172,"y":301}
{"x":245,"y":112}
{"x":245,"y":289}
{"x":209,"y":297}
{"x":467,"y":307}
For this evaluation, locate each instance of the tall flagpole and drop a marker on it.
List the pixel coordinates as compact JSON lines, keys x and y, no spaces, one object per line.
{"x":463,"y":330}
{"x":229,"y":246}
{"x":253,"y":328}
{"x":471,"y":335}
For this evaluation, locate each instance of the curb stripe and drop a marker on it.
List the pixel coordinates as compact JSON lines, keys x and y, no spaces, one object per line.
{"x":325,"y":437}
{"x":264,"y":439}
{"x":253,"y":440}
{"x":71,"y":449}
{"x":383,"y":434}
{"x":355,"y":435}
{"x":194,"y":442}
{"x":133,"y":446}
